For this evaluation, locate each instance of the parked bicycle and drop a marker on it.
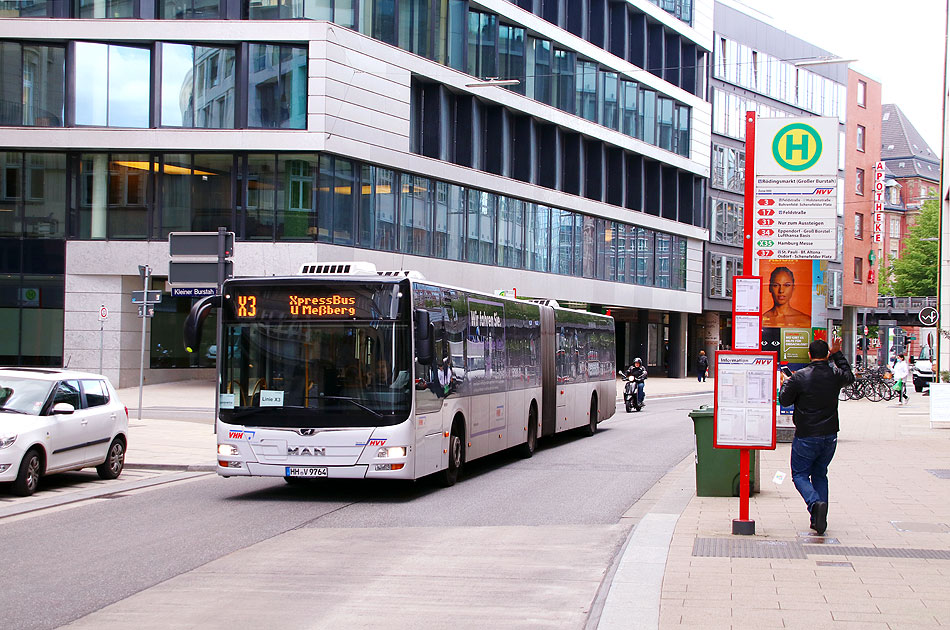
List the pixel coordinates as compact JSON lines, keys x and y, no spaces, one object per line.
{"x":875,"y":384}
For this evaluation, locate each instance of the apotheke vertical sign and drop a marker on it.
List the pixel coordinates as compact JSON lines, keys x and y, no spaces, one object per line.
{"x":879,"y":189}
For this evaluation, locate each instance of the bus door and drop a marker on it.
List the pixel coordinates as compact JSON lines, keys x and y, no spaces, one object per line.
{"x":431,"y":384}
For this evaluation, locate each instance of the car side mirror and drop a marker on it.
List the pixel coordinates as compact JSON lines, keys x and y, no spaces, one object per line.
{"x":63,"y":408}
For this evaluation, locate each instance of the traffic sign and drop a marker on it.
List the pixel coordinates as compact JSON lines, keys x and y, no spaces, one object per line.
{"x":197,"y":273}
{"x":103,"y":313}
{"x":140,"y":297}
{"x":865,"y":330}
{"x":928,"y":316}
{"x":199,"y":244}
{"x":146,"y":310}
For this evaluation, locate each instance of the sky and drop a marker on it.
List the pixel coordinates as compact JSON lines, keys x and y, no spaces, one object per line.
{"x":903,"y":49}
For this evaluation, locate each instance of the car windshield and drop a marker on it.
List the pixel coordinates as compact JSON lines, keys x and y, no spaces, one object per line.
{"x":23,"y":395}
{"x":926,"y":354}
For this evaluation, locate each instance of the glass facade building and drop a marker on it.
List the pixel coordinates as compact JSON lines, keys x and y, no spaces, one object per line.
{"x":347,"y":129}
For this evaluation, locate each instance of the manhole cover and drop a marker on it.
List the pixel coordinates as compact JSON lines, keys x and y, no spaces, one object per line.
{"x":812,"y":539}
{"x":940,"y":473}
{"x":921,"y":528}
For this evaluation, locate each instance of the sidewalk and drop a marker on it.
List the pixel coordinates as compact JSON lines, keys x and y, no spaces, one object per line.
{"x":884,"y":561}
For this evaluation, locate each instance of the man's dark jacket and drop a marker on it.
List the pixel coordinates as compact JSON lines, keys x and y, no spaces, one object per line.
{"x":814,"y":392}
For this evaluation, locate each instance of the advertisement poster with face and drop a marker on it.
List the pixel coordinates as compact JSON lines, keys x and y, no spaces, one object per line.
{"x":787,"y":301}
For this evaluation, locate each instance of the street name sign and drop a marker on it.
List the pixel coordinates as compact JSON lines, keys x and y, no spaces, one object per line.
{"x":192,"y":291}
{"x":796,"y":188}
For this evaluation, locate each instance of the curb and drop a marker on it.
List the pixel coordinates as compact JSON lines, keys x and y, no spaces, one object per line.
{"x":173,"y":467}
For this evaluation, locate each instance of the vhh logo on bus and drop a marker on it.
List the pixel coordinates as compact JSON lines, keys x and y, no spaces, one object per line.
{"x":796,"y":147}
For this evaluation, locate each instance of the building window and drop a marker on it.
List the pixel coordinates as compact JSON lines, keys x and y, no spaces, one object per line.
{"x":722,"y":269}
{"x":198,"y":86}
{"x":511,"y":55}
{"x":727,"y":223}
{"x":728,"y":168}
{"x":858,"y":270}
{"x":112,"y":85}
{"x":189,"y":9}
{"x":858,"y":226}
{"x":32,"y":84}
{"x":277,"y":87}
{"x":862,"y":93}
{"x":895,"y":231}
{"x":835,"y":288}
{"x":482,"y":44}
{"x":860,"y":138}
{"x":859,"y":181}
{"x":104,"y":9}
{"x":586,"y":90}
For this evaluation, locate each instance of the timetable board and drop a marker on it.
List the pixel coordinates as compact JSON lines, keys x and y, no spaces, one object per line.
{"x":745,"y":399}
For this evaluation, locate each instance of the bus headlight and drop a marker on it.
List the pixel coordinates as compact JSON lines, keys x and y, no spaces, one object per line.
{"x":391,"y":451}
{"x":227,"y":449}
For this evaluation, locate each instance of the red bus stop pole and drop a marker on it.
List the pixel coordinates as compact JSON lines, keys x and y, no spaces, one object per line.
{"x":744,"y":525}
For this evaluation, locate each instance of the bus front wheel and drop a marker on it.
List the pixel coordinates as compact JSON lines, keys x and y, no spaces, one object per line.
{"x":591,"y":427}
{"x":456,"y":455}
{"x":527,"y":449}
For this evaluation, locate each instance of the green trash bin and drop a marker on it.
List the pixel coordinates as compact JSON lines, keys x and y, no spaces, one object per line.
{"x":717,"y":469}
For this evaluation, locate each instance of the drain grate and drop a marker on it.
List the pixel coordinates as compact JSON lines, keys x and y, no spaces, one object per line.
{"x":940,"y":473}
{"x":745,"y":548}
{"x":879,"y":552}
{"x":926,"y":528}
{"x":843,"y":565}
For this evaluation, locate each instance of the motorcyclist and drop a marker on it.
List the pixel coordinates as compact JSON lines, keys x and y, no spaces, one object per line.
{"x":639,"y":374}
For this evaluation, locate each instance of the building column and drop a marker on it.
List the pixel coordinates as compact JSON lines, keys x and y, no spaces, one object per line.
{"x":849,"y":329}
{"x":711,"y":322}
{"x":677,"y":350}
{"x":100,"y":195}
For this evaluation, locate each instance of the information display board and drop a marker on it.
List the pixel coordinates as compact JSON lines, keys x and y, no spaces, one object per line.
{"x":745,"y":399}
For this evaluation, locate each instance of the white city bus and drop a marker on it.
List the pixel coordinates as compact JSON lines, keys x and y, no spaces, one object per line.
{"x":346,"y":372}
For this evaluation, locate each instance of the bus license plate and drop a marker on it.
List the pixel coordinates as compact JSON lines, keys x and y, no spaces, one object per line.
{"x":306,"y":471}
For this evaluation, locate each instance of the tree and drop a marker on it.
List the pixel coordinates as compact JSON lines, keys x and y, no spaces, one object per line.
{"x":915,"y":271}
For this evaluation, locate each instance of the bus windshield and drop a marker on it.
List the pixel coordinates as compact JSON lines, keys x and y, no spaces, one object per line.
{"x":316,"y":374}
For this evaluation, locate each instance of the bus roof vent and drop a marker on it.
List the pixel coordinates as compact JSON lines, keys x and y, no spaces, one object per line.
{"x":402,"y":273}
{"x":546,"y":302}
{"x":342,"y":268}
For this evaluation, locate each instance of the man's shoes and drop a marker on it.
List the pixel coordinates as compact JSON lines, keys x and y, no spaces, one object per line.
{"x":819,"y":516}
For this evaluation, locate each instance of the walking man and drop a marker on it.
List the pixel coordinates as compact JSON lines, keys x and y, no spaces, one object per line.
{"x":901,"y":373}
{"x":702,"y":366}
{"x":814,"y":392}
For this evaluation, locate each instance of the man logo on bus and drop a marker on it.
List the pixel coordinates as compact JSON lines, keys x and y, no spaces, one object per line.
{"x":796,"y":147}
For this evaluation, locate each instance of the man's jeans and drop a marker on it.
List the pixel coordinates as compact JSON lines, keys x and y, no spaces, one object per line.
{"x":640,"y":393}
{"x":810,"y":459}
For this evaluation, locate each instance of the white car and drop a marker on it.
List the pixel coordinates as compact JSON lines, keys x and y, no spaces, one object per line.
{"x":54,"y":420}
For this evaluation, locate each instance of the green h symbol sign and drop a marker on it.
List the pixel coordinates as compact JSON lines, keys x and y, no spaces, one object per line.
{"x":801,"y":146}
{"x":796,"y":147}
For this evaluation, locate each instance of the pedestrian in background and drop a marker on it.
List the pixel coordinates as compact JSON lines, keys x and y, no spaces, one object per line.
{"x":901,"y":372}
{"x":814,"y":392}
{"x":702,"y":367}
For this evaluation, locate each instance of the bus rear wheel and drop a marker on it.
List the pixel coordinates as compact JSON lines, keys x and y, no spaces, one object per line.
{"x":450,"y":475}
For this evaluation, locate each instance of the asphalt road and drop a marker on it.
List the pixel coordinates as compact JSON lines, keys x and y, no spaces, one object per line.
{"x":62,"y":564}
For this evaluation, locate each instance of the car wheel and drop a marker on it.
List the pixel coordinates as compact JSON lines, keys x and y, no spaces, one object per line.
{"x":115,"y":461}
{"x":456,"y":456}
{"x":28,"y":479}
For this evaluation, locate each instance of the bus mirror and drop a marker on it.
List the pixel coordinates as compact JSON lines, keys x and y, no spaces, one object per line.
{"x":424,"y":330}
{"x":195,"y":320}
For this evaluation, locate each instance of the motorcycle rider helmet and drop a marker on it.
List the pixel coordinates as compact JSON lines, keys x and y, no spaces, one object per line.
{"x":637,"y":360}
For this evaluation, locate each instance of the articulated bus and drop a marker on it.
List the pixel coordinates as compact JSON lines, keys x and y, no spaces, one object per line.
{"x":345,"y":372}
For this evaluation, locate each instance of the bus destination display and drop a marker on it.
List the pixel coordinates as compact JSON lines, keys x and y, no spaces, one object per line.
{"x":312,"y":303}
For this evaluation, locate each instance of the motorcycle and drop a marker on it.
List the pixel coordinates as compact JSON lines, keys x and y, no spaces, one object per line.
{"x":630,"y":399}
